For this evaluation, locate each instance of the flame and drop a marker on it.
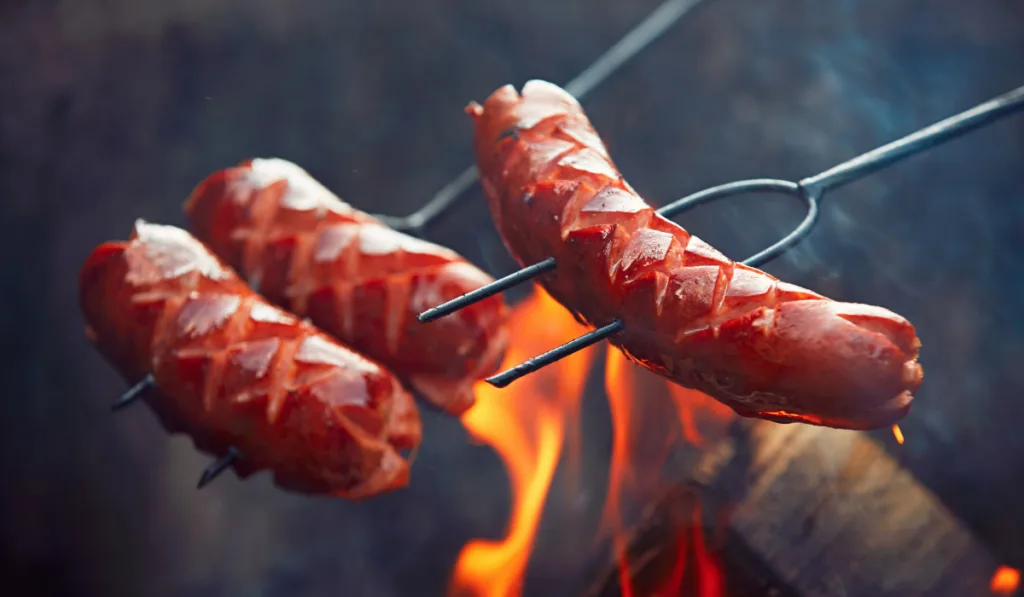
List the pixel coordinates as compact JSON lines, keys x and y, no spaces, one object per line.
{"x":529,"y":425}
{"x":709,"y":578}
{"x":525,"y":424}
{"x":618,"y":381}
{"x":1005,"y":581}
{"x":703,"y":419}
{"x":898,"y":433}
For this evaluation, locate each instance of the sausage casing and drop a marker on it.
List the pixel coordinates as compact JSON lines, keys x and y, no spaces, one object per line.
{"x":766,"y":348}
{"x":231,"y":370}
{"x":354,"y":277}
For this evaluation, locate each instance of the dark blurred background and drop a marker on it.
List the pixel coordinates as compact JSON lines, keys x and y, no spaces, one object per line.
{"x":111,"y":110}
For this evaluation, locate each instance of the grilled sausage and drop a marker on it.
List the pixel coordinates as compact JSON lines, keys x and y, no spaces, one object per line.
{"x":353,"y":276}
{"x":229,"y":369}
{"x":766,"y":348}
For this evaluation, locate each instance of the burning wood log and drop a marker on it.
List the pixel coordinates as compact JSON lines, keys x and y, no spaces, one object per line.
{"x":822,"y":512}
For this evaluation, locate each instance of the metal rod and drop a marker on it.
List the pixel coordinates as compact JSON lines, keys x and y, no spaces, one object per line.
{"x":790,"y":240}
{"x":134,"y":393}
{"x":495,"y":287}
{"x":440,"y":203}
{"x":218,"y":466}
{"x":589,"y":339}
{"x":917,"y":142}
{"x":771,"y":185}
{"x":635,"y":41}
{"x":811,"y":189}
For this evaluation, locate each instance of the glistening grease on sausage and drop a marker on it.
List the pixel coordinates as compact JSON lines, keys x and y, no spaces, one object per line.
{"x":766,"y":348}
{"x":359,"y":280}
{"x":231,"y":370}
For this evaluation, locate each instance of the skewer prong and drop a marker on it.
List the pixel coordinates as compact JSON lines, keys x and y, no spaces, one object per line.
{"x":134,"y":393}
{"x":495,"y":287}
{"x":218,"y":466}
{"x":573,"y":346}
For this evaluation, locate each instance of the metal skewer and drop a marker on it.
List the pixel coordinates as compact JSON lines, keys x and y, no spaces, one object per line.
{"x":218,"y":466}
{"x":530,"y":365}
{"x":495,"y":287}
{"x":809,"y":190}
{"x":211,"y":472}
{"x":636,"y":40}
{"x":134,"y":393}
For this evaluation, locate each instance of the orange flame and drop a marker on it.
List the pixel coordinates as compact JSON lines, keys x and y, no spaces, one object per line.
{"x":528,"y":425}
{"x":710,"y":582}
{"x":898,"y":434}
{"x":1005,"y":581}
{"x":703,"y":419}
{"x":618,"y":380}
{"x":525,"y":424}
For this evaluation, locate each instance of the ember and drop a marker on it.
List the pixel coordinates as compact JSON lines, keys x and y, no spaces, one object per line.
{"x":527,"y":426}
{"x":1005,"y":581}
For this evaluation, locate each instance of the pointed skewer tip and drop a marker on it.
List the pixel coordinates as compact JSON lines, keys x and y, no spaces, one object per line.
{"x":217,"y":467}
{"x":133,"y":393}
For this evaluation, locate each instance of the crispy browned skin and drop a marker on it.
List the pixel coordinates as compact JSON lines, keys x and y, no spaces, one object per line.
{"x":232,"y":370}
{"x":359,"y":280}
{"x":766,"y":348}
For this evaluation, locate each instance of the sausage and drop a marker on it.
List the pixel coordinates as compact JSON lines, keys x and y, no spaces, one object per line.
{"x":357,"y":279}
{"x":231,"y":370}
{"x":766,"y":348}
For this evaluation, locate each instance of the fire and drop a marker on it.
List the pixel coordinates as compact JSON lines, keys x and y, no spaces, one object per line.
{"x":618,"y":381}
{"x":637,"y":402}
{"x":529,"y":424}
{"x":709,"y":579}
{"x":525,"y":425}
{"x":1005,"y":581}
{"x":897,"y":433}
{"x":702,"y":419}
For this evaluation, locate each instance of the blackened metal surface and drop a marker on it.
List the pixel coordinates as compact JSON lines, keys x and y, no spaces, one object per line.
{"x":113,"y":110}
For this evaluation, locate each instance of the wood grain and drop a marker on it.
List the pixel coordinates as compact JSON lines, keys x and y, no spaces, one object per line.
{"x":815,"y":512}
